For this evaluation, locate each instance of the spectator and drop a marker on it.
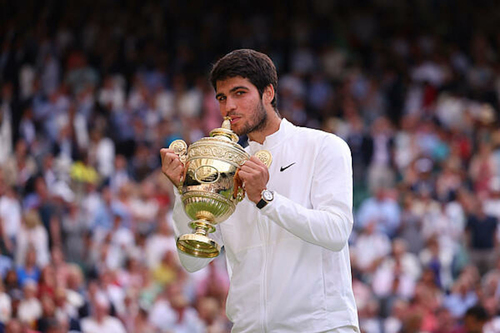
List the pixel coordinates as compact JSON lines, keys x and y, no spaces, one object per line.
{"x":5,"y":305}
{"x":48,"y":317}
{"x":10,"y":215}
{"x":47,"y":283}
{"x":461,"y":298}
{"x":30,"y":308}
{"x":382,"y":210}
{"x":100,"y":320}
{"x":29,"y":270}
{"x":380,"y":170}
{"x":172,"y":311}
{"x":394,"y":322}
{"x":32,"y":235}
{"x":73,"y":226}
{"x":475,"y":319}
{"x":101,"y":153}
{"x":167,"y":270}
{"x":210,"y":313}
{"x":159,"y":242}
{"x":372,"y":247}
{"x":20,"y":167}
{"x":481,"y":236}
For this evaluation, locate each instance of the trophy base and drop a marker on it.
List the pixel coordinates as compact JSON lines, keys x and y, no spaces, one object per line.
{"x":199,"y":246}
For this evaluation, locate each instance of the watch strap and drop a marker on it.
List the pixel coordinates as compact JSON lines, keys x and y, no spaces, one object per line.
{"x":261,"y":204}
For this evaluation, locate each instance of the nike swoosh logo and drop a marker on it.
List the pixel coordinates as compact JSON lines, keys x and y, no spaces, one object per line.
{"x":284,"y":168}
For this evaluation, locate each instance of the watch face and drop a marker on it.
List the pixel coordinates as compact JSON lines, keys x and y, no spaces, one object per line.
{"x":267,"y":195}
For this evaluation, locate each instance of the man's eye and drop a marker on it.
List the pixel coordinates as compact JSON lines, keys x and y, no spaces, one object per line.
{"x":239,"y":93}
{"x":221,"y":99}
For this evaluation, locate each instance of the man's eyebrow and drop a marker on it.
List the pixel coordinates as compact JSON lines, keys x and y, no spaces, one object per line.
{"x":238,"y":88}
{"x":232,"y":90}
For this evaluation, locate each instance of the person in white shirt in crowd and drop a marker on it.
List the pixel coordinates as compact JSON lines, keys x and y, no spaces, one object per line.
{"x":382,"y":209}
{"x":20,"y":166}
{"x":394,"y":322}
{"x":102,"y":153}
{"x":491,"y":203}
{"x":463,"y":293}
{"x":10,"y":214}
{"x":398,"y":273}
{"x":32,"y":234}
{"x":288,"y":255}
{"x":172,"y":312}
{"x":159,"y":242}
{"x":100,"y":320}
{"x":5,"y":304}
{"x":144,"y":207}
{"x":371,"y":248}
{"x":30,"y":308}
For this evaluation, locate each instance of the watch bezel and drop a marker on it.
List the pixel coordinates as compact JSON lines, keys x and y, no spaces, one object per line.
{"x":267,"y":195}
{"x":263,"y":200}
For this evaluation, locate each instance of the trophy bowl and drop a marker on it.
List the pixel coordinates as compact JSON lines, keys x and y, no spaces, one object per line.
{"x":211,"y":188}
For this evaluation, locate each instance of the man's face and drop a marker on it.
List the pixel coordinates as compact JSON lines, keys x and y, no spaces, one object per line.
{"x":239,"y":99}
{"x":473,"y":325}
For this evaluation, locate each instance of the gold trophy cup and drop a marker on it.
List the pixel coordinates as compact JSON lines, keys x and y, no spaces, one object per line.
{"x":211,"y":188}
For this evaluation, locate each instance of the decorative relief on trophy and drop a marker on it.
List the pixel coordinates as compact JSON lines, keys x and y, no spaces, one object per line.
{"x":211,"y":188}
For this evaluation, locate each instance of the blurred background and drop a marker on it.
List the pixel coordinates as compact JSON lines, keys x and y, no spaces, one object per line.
{"x":90,"y":91}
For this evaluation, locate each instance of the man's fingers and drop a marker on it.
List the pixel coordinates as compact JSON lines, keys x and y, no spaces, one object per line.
{"x":251,"y":174}
{"x":171,"y":165}
{"x":254,"y":162}
{"x":170,"y":159}
{"x":251,"y":167}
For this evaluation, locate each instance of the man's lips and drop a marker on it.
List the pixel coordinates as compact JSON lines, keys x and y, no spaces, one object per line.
{"x":234,"y":119}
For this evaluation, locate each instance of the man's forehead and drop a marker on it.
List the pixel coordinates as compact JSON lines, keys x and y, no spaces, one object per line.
{"x":231,"y":82}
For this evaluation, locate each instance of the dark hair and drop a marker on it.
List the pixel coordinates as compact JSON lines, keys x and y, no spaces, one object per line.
{"x":255,"y":66}
{"x":477,"y":312}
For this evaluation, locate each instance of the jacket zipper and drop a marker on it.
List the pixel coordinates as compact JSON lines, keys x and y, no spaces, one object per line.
{"x":264,"y":276}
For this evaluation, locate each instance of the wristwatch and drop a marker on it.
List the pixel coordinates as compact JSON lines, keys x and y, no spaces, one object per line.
{"x":265,"y":197}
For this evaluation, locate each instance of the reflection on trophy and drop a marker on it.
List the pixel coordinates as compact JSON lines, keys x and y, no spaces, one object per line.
{"x":211,"y":187}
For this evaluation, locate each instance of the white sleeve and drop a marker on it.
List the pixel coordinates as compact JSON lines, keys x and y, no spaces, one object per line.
{"x":329,"y":222}
{"x":181,"y":227}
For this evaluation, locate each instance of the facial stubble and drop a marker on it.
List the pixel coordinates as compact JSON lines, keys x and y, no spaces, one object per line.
{"x":259,"y":123}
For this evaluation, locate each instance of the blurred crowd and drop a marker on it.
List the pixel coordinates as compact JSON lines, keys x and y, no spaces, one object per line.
{"x":89,"y":93}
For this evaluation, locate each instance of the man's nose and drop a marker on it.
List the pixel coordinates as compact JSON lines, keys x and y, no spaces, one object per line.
{"x":229,"y":106}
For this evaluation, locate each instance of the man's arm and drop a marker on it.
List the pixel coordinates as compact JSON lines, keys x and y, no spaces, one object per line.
{"x":330,"y":221}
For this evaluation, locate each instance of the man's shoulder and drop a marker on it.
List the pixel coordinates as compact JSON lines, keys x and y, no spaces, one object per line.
{"x":318,"y":135}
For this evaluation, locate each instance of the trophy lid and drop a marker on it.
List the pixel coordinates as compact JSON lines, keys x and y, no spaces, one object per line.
{"x":225,"y":131}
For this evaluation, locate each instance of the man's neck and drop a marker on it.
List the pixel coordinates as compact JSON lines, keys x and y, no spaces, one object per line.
{"x":272,"y":126}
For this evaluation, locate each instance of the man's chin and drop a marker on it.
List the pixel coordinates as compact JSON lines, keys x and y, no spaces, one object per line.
{"x":238,"y":131}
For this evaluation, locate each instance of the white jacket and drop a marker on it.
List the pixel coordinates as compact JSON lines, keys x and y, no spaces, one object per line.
{"x":289,"y":262}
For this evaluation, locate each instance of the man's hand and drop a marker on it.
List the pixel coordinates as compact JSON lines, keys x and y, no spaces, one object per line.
{"x":171,"y":166}
{"x":255,"y":176}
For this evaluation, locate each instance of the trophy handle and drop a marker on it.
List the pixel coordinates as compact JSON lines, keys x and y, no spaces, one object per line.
{"x":239,"y":192}
{"x":180,"y":149}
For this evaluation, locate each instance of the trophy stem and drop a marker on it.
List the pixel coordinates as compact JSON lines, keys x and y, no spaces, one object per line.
{"x":201,"y":231}
{"x":199,"y":244}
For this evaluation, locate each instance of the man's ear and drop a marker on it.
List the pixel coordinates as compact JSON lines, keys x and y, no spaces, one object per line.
{"x":268,"y":94}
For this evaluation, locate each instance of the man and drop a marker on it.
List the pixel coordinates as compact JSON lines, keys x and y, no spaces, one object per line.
{"x":286,"y":244}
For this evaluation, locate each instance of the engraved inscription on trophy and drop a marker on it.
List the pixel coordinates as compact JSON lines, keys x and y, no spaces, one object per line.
{"x":206,"y":174}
